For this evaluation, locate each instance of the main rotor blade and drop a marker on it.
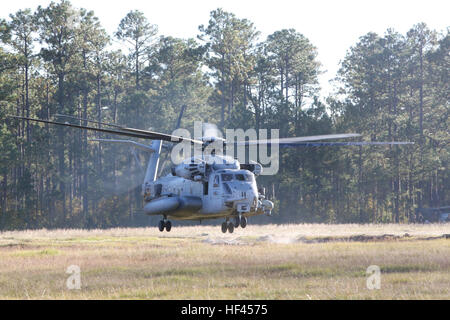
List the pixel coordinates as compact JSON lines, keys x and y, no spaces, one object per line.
{"x":129,"y":132}
{"x":356,"y":143}
{"x":139,"y":131}
{"x":296,"y":140}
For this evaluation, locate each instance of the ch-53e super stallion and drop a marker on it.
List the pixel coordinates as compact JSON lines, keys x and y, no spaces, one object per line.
{"x":206,"y":186}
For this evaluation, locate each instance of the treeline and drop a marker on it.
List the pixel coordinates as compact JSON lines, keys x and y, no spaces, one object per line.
{"x":59,"y":60}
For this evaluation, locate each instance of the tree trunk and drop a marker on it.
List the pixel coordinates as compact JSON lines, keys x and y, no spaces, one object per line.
{"x":61,"y":147}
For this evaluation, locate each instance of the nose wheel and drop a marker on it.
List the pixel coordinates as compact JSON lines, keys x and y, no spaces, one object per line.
{"x":237,"y":221}
{"x":164,"y":224}
{"x":243,"y":222}
{"x":240,"y":221}
{"x":227,"y":226}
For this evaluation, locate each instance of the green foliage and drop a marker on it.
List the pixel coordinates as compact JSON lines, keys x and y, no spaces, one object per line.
{"x":135,"y":30}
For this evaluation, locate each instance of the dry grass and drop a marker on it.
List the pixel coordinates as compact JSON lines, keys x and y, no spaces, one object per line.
{"x":307,"y":261}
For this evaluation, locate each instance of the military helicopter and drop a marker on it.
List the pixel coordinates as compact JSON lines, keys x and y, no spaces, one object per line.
{"x":206,"y":186}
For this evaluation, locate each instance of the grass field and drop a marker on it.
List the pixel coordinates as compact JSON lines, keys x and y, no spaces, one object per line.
{"x":305,"y":261}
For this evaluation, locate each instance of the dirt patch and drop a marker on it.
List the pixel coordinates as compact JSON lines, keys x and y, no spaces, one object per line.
{"x":360,"y":238}
{"x":277,"y":239}
{"x":222,"y":241}
{"x":370,"y":238}
{"x":353,"y":238}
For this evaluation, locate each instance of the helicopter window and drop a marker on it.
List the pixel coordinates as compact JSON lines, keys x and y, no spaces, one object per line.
{"x":227,"y":188}
{"x":216,"y":181}
{"x":227,"y":177}
{"x":244,"y":177}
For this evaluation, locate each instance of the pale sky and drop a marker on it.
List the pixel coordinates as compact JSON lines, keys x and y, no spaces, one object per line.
{"x":332,"y":26}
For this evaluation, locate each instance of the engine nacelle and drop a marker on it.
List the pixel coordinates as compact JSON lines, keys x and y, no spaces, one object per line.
{"x":253,"y":167}
{"x":191,"y":171}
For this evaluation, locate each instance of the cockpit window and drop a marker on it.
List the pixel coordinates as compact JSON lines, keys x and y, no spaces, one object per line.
{"x":244,"y":177}
{"x":238,"y":176}
{"x":227,"y":177}
{"x":227,"y":188}
{"x":216,"y":181}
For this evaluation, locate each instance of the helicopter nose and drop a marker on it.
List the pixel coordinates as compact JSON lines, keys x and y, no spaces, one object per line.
{"x":246,"y":201}
{"x":248,"y":194}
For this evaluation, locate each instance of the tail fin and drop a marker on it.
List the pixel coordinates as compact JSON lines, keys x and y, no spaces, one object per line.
{"x":153,"y":163}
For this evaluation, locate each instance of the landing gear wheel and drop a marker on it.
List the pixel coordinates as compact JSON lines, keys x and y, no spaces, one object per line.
{"x":237,"y":221}
{"x":243,"y":222}
{"x":161,"y":225}
{"x":230,"y":227}
{"x":168,"y":225}
{"x":224,"y":227}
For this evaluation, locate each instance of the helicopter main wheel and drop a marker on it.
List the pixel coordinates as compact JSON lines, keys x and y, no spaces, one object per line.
{"x":243,"y":222}
{"x":161,"y":225}
{"x":224,"y":227}
{"x":164,"y":224}
{"x":237,"y":221}
{"x":230,"y":227}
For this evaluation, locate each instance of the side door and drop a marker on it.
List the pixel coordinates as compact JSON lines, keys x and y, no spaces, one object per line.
{"x":214,"y":194}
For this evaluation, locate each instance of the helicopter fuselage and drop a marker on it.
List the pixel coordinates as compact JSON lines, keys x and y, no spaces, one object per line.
{"x":224,"y":193}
